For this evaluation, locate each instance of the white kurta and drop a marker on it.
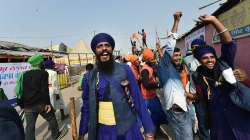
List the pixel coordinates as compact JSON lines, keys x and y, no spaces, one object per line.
{"x":174,"y":92}
{"x":54,"y":91}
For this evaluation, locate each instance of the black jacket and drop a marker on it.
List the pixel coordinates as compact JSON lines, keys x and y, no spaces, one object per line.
{"x":35,"y":89}
{"x":11,"y":126}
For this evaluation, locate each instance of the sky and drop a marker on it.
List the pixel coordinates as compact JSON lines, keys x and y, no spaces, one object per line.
{"x":37,"y":23}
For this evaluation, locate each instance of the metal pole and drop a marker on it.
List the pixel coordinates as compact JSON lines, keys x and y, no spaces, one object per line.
{"x":87,"y":58}
{"x":209,"y":4}
{"x":79,"y":59}
{"x":69,"y":70}
{"x":68,"y":59}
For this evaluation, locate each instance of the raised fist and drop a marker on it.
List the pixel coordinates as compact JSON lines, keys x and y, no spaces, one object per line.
{"x":177,"y":15}
{"x":207,"y":19}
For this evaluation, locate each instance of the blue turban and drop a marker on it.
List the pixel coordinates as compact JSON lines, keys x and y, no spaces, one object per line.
{"x":199,"y":42}
{"x":200,"y":51}
{"x":102,"y":37}
{"x":49,"y":64}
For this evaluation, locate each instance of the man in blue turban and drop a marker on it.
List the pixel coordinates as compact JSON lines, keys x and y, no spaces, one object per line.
{"x":197,"y":42}
{"x":112,"y":99}
{"x":189,"y":59}
{"x":199,"y":48}
{"x":103,"y":45}
{"x":102,"y":37}
{"x":202,"y":50}
{"x":224,"y":119}
{"x":49,"y":64}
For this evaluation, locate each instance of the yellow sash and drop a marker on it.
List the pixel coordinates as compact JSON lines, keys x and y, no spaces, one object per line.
{"x":106,"y":113}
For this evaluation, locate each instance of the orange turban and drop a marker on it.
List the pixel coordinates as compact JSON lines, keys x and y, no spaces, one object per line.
{"x":148,"y":54}
{"x":133,"y":58}
{"x":128,"y":57}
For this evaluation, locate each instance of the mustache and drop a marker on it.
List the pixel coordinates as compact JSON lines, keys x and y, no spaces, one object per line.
{"x":102,"y":53}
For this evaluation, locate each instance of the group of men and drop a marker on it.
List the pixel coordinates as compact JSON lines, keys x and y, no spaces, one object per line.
{"x":121,"y":102}
{"x":120,"y":99}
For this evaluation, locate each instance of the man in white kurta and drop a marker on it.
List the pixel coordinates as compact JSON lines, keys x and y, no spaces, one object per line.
{"x":56,"y":98}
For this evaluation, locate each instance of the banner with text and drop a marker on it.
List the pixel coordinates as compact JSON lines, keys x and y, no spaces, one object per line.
{"x":9,"y":73}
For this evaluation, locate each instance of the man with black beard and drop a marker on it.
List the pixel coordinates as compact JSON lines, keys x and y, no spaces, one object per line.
{"x":111,"y":98}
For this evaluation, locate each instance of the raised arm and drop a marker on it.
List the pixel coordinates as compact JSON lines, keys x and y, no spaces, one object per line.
{"x":177,"y":17}
{"x":228,"y":48}
{"x":223,"y":32}
{"x":171,"y":39}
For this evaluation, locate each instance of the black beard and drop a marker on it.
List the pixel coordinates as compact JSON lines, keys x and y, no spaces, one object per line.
{"x":106,"y":67}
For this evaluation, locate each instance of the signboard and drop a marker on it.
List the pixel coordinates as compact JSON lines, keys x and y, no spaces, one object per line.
{"x":236,"y":20}
{"x":9,"y":73}
{"x":197,"y":34}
